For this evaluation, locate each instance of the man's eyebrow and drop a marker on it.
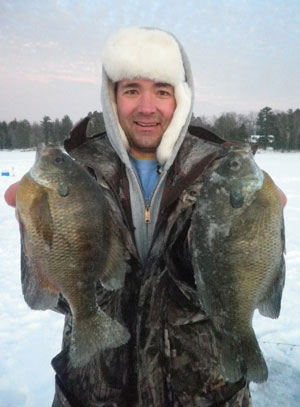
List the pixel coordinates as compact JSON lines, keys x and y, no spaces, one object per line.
{"x":163,"y":85}
{"x":130,"y":85}
{"x":136,"y":85}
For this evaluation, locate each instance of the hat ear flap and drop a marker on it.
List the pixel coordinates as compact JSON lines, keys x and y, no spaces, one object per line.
{"x":183,"y":98}
{"x":112,"y":96}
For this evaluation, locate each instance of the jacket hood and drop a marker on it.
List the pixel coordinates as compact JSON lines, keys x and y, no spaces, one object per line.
{"x":147,"y":53}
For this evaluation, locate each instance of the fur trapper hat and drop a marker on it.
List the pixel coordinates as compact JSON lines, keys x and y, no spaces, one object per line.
{"x":150,"y":53}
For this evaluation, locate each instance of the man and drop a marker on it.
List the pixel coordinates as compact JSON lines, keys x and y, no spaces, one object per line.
{"x":150,"y":167}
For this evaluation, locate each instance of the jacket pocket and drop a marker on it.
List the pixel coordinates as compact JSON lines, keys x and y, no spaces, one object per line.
{"x":192,"y":352}
{"x":97,"y":384}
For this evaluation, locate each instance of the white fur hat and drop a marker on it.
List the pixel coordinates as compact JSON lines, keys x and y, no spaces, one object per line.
{"x":154,"y":54}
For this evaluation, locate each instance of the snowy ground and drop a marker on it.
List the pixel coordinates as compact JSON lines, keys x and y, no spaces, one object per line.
{"x":29,"y":339}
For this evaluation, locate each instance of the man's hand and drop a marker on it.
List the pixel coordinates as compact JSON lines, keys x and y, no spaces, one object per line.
{"x":10,"y":194}
{"x":282,"y":197}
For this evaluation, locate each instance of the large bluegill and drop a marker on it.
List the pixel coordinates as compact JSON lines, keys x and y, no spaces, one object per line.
{"x":68,"y":242}
{"x":237,"y":246}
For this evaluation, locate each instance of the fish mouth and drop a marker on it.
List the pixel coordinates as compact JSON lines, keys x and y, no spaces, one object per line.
{"x":243,"y":191}
{"x":236,"y":198}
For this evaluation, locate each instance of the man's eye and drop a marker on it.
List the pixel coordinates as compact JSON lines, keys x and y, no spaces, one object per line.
{"x":164,"y":93}
{"x":130,"y":92}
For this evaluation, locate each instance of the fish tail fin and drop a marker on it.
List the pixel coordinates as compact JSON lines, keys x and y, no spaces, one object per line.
{"x":115,"y":268}
{"x":255,"y":364}
{"x":243,"y":358}
{"x":231,"y":364}
{"x":97,"y":332}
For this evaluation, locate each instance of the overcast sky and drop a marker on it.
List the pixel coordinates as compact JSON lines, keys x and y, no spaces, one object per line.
{"x":245,"y":54}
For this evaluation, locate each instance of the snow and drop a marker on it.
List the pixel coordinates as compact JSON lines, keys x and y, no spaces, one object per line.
{"x":29,"y":339}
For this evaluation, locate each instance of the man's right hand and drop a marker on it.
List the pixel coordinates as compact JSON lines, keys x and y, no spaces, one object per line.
{"x":10,"y":194}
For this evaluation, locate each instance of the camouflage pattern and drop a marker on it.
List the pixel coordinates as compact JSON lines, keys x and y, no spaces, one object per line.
{"x":172,"y":358}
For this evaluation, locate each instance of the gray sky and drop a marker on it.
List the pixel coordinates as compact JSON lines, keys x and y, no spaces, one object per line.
{"x":245,"y":54}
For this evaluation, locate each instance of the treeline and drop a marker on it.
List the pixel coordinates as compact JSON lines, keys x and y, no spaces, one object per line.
{"x":279,"y":130}
{"x":22,"y":134}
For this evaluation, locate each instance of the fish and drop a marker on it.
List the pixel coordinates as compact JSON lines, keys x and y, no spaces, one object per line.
{"x":68,"y":242}
{"x":237,"y":246}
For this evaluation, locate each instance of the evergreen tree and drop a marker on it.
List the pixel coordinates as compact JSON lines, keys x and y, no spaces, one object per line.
{"x":37,"y":135}
{"x":296,"y":130}
{"x":23,"y":134}
{"x":5,"y":141}
{"x":266,"y":124}
{"x":65,"y":128}
{"x":12,"y":130}
{"x":231,"y":126}
{"x":47,"y":127}
{"x":96,"y":124}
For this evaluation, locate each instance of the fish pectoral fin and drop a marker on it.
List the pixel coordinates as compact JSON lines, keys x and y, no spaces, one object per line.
{"x":113,"y":276}
{"x":62,"y":189}
{"x":208,"y":288}
{"x":37,"y":292}
{"x":271,"y":303}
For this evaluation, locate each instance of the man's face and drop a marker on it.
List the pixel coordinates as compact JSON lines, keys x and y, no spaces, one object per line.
{"x":145,"y":109}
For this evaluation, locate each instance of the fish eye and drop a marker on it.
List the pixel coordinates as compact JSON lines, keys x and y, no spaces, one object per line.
{"x":59,"y":159}
{"x":235,"y":165}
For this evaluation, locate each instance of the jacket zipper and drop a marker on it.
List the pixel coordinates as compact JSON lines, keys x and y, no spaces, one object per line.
{"x":147,"y":214}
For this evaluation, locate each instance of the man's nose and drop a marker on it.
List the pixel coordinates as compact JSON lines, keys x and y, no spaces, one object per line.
{"x":147,"y":104}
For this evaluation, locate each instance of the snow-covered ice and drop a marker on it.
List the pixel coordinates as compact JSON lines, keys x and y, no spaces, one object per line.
{"x":29,"y":339}
{"x":280,"y":338}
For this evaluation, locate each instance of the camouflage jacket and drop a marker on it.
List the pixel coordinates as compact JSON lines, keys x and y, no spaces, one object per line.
{"x":172,"y":357}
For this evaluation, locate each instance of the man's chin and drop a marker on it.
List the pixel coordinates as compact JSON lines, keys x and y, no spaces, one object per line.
{"x":144,"y":151}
